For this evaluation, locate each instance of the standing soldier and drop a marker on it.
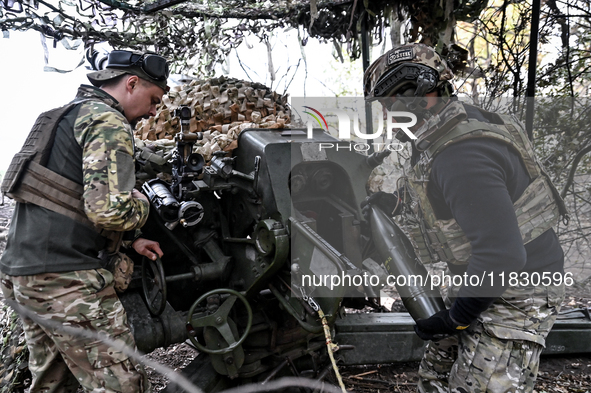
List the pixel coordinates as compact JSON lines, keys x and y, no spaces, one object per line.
{"x":73,"y":181}
{"x":475,"y":197}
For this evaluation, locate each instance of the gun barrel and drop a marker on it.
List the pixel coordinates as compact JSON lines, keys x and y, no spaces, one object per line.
{"x":418,"y":296}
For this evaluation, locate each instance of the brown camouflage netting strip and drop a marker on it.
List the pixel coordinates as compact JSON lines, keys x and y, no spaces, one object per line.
{"x":220,"y":108}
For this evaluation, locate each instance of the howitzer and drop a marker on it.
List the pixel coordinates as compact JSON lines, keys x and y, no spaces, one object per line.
{"x":233,"y":276}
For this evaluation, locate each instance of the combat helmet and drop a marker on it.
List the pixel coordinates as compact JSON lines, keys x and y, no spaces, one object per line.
{"x":411,"y":66}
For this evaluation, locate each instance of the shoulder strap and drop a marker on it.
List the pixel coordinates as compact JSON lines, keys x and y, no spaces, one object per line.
{"x":471,"y":129}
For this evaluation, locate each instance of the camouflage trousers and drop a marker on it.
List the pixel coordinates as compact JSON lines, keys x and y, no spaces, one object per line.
{"x":59,"y":361}
{"x":498,"y":353}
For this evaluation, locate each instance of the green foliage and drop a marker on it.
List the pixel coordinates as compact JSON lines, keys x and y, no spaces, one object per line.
{"x":499,"y":41}
{"x":345,"y":78}
{"x":562,"y":132}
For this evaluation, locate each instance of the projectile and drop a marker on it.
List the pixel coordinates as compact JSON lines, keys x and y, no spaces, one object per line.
{"x":400,"y":259}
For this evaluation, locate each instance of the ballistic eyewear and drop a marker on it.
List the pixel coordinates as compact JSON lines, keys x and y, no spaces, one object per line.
{"x":153,"y":65}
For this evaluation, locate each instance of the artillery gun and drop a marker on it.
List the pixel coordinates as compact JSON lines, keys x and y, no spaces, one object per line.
{"x":245,"y":240}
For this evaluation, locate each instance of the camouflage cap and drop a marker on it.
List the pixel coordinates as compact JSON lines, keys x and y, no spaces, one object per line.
{"x":409,"y":53}
{"x":98,"y":78}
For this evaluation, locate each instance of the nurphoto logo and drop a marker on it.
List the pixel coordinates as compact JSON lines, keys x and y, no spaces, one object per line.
{"x":316,"y":118}
{"x":404,"y":121}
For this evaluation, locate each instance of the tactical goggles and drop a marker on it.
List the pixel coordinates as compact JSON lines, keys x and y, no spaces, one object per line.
{"x":423,"y":78}
{"x":153,"y":65}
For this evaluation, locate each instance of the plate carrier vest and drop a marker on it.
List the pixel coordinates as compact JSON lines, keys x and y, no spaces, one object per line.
{"x":27,"y":180}
{"x":537,"y":209}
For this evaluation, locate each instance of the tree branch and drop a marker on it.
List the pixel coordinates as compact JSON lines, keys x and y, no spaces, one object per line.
{"x":573,"y":169}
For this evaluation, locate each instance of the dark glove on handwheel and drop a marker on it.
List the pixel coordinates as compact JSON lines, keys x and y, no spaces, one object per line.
{"x":384,"y":200}
{"x":438,"y":326}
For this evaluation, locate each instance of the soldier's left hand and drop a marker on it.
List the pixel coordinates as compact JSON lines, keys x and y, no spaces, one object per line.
{"x":386,"y":201}
{"x":148,"y":248}
{"x":438,"y":326}
{"x":138,"y":195}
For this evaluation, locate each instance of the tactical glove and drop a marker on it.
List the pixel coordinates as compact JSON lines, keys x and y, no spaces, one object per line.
{"x":438,"y":326}
{"x":384,"y":200}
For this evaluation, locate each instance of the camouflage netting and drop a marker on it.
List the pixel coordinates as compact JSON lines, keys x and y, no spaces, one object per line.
{"x":220,"y":108}
{"x":196,"y":35}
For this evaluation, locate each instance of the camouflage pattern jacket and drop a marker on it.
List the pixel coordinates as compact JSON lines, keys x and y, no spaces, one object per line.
{"x":537,"y":210}
{"x":93,"y":147}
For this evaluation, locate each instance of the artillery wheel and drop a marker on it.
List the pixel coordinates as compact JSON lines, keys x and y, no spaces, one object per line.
{"x":154,"y":285}
{"x":219,"y":321}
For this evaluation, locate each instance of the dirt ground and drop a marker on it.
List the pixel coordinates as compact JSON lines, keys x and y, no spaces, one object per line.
{"x":557,"y":374}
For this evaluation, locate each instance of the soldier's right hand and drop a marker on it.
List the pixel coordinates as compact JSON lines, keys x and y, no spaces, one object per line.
{"x":438,"y":326}
{"x":148,"y":248}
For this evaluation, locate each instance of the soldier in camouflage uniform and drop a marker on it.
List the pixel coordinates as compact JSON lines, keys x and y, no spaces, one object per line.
{"x":474,"y":196}
{"x":52,"y":266}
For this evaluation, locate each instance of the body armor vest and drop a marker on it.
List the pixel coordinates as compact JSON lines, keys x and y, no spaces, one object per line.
{"x":27,"y":180}
{"x":537,"y":209}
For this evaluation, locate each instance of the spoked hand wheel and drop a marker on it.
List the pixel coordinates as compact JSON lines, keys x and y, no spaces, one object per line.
{"x":219,"y":321}
{"x":154,"y":285}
